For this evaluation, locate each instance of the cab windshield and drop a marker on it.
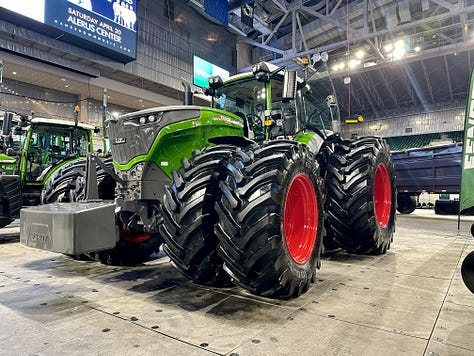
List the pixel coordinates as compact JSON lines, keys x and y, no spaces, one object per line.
{"x":315,"y":104}
{"x":247,"y":97}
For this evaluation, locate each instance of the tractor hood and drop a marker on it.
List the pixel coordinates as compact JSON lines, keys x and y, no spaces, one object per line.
{"x":7,"y":164}
{"x":139,"y":133}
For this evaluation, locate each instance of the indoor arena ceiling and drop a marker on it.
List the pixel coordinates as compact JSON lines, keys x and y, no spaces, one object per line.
{"x":397,"y":54}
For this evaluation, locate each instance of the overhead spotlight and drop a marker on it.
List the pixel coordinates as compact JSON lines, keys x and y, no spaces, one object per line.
{"x":316,"y":57}
{"x":388,"y":47}
{"x":399,"y":52}
{"x":353,"y":63}
{"x":360,"y":54}
{"x":323,"y":56}
{"x":399,"y":44}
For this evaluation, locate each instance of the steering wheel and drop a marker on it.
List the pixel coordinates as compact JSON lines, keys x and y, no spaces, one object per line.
{"x":254,"y":121}
{"x":314,"y":128}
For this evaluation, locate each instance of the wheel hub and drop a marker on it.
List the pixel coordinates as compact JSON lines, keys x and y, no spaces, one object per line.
{"x":382,"y":195}
{"x":300,"y":218}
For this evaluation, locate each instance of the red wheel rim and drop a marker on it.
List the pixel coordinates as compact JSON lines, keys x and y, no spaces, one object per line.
{"x":382,"y":195}
{"x":132,"y":237}
{"x":300,"y":218}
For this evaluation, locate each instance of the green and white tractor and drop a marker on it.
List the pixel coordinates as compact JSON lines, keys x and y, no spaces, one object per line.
{"x":32,"y":150}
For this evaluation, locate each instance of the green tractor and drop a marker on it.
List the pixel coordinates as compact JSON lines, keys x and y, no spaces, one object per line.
{"x":255,"y":214}
{"x":251,"y":186}
{"x":31,"y":151}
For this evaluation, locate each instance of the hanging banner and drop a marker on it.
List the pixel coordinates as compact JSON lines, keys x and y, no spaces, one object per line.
{"x":466,"y":199}
{"x":217,"y":9}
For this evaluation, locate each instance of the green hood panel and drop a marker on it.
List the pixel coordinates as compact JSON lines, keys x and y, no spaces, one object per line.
{"x":7,"y":164}
{"x":173,"y":140}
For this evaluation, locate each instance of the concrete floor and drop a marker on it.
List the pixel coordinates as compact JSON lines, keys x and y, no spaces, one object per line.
{"x":410,"y":301}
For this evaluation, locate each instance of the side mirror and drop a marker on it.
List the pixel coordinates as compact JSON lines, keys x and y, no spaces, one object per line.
{"x":331,"y":100}
{"x":289,"y":85}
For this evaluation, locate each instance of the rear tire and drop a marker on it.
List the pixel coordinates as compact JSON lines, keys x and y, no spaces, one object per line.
{"x":271,"y":219}
{"x":361,"y":196}
{"x":189,"y":217}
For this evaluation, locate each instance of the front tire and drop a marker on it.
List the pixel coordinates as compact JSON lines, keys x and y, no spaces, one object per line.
{"x":68,"y":183}
{"x":271,"y":219}
{"x":131,"y":249}
{"x":189,"y":217}
{"x":361,"y":196}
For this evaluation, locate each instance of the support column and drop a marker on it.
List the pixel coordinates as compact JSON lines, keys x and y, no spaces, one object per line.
{"x":84,"y":112}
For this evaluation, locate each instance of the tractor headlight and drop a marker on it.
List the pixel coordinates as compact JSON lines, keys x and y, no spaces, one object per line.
{"x":151,"y":118}
{"x":142,"y":120}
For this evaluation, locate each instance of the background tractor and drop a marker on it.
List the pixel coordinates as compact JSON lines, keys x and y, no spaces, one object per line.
{"x":32,"y":150}
{"x":251,"y":186}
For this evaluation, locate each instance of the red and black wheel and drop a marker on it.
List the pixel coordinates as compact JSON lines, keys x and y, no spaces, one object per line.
{"x":361,"y":196}
{"x":271,"y":219}
{"x":133,"y":247}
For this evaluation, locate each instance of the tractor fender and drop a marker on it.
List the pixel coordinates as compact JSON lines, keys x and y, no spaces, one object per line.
{"x":239,"y":141}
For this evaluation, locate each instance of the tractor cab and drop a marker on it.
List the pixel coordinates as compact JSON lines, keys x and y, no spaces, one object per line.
{"x":48,"y":143}
{"x":275,"y":103}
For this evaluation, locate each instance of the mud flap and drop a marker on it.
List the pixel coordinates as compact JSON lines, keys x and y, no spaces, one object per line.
{"x":69,"y":228}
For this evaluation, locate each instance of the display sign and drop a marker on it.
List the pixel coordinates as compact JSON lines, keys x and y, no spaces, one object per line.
{"x":467,"y":178}
{"x":204,"y":69}
{"x":111,"y":24}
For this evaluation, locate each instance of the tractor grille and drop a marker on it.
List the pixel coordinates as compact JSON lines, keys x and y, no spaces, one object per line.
{"x":133,"y":134}
{"x":128,"y":140}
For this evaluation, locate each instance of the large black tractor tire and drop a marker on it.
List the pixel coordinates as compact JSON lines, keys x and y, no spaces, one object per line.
{"x":189,"y":217}
{"x":271,"y":219}
{"x":361,"y":196}
{"x":69,"y":182}
{"x":5,"y":222}
{"x":467,"y":271}
{"x":406,"y":204}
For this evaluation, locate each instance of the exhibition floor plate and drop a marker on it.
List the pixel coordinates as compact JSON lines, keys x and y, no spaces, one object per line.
{"x":410,"y":301}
